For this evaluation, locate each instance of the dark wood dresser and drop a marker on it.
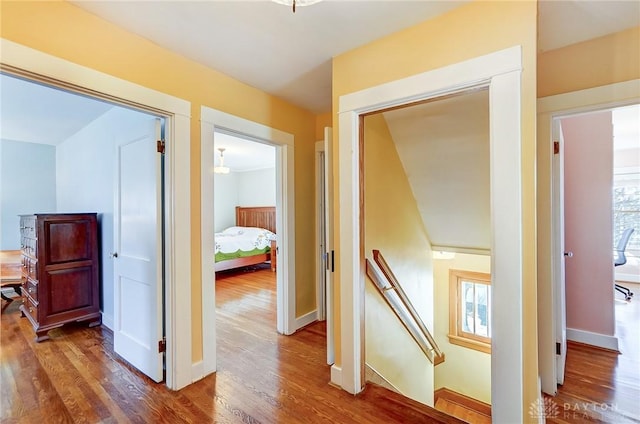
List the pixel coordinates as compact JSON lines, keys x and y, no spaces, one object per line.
{"x":60,"y":270}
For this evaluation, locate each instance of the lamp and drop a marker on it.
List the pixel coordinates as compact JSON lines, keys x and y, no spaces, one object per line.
{"x":221,"y":169}
{"x":294,"y":3}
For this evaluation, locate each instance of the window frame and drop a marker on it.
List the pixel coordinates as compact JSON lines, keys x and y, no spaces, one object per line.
{"x":456,"y":335}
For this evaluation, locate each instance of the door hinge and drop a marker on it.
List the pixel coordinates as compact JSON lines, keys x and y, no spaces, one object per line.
{"x":558,"y":348}
{"x":556,"y":147}
{"x":160,"y":146}
{"x":333,"y":261}
{"x":162,"y":345}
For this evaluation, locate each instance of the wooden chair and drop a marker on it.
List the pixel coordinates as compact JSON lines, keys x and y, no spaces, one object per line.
{"x":10,"y":272}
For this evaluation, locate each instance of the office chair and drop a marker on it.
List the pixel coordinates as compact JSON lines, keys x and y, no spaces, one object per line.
{"x":621,"y":259}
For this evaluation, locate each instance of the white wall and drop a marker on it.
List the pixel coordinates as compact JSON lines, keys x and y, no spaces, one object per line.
{"x":85,"y":171}
{"x":454,"y":373}
{"x":249,"y":188}
{"x":27,"y":185}
{"x":257,"y":188}
{"x":225,"y":200}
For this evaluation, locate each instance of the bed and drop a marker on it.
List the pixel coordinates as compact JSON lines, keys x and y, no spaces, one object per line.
{"x":250,"y":242}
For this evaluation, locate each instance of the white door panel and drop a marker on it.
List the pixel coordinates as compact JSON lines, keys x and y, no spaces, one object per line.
{"x":559,"y":256}
{"x":138,"y":244}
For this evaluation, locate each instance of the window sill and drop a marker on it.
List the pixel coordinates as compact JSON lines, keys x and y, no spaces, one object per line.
{"x":468,"y":343}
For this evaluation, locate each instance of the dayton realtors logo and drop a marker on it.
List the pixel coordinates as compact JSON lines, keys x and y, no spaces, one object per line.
{"x":548,"y":408}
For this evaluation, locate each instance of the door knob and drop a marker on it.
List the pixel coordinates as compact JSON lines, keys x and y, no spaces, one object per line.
{"x":568,"y":254}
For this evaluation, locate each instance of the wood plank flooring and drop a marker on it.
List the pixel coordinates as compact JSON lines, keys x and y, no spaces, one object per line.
{"x":262,"y":377}
{"x":600,"y":385}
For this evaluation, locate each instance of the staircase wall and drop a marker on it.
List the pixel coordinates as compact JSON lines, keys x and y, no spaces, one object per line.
{"x":393,"y":225}
{"x":465,"y":370}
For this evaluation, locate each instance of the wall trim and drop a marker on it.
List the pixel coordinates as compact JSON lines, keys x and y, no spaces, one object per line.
{"x":336,"y":375}
{"x":306,"y":319}
{"x":197,"y":371}
{"x":593,"y":339}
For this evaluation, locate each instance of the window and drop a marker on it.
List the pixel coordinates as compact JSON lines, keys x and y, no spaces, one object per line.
{"x":470,"y":309}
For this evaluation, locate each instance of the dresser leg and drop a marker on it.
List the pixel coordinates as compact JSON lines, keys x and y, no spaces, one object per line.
{"x":42,"y":336}
{"x":95,"y":323}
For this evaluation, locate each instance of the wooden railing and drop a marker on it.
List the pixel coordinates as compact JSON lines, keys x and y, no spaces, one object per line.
{"x":396,"y":298}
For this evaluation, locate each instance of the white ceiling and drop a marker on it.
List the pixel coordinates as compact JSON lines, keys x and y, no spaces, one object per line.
{"x":444,"y":149}
{"x":36,"y":113}
{"x":242,"y":155}
{"x":263,"y":43}
{"x":289,"y":55}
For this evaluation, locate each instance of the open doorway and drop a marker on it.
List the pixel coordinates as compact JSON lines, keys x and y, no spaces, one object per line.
{"x":427,"y":210}
{"x":502,"y":76}
{"x":244,"y":213}
{"x":69,"y":153}
{"x":599,"y":154}
{"x":213,"y":123}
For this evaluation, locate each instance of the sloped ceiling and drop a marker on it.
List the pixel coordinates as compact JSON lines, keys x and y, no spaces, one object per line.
{"x":444,"y":148}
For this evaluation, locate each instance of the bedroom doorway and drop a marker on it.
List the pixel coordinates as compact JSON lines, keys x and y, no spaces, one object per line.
{"x":84,"y":134}
{"x":217,"y":124}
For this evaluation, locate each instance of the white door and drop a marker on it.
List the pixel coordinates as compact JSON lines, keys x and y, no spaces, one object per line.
{"x":138,"y":250}
{"x":559,"y":254}
{"x":328,"y":227}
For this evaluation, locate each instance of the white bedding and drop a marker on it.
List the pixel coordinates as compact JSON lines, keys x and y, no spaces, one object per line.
{"x":245,"y":239}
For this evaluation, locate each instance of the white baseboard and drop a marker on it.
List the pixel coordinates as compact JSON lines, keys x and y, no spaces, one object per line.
{"x":627,"y":278}
{"x":336,"y":375}
{"x":197,"y":371}
{"x":593,"y":339}
{"x":107,"y":321}
{"x":306,"y":319}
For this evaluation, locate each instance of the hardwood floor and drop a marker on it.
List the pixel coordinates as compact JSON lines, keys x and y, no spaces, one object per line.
{"x":600,"y":385}
{"x":262,"y":377}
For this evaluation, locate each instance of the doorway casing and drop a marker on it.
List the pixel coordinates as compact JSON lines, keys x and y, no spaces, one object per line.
{"x":36,"y":65}
{"x":212,"y":121}
{"x":501,"y":73}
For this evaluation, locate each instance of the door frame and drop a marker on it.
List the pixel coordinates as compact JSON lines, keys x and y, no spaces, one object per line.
{"x":550,"y":108}
{"x":212,"y":119}
{"x":501,"y":72}
{"x":38,"y":66}
{"x":321,"y":219}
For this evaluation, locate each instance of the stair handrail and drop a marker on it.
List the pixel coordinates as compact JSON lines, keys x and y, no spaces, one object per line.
{"x":404,"y":310}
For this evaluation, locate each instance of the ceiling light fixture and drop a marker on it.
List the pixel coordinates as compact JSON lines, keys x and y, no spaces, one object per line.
{"x":221,"y":169}
{"x":294,"y":3}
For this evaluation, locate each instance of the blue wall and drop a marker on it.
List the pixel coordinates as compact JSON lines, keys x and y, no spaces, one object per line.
{"x":27,"y":185}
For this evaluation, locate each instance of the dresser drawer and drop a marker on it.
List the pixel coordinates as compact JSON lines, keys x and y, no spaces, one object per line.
{"x":28,"y":226}
{"x":29,"y":246}
{"x":31,"y":308}
{"x":31,"y":288}
{"x":30,"y":267}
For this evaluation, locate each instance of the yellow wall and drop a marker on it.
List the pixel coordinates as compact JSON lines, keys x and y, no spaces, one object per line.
{"x":393,"y":225}
{"x":61,"y":29}
{"x":454,"y":373}
{"x":469,"y":31}
{"x":601,"y":61}
{"x":323,"y":120}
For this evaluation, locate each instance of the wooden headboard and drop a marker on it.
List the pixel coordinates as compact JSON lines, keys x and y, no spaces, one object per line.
{"x":259,"y":216}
